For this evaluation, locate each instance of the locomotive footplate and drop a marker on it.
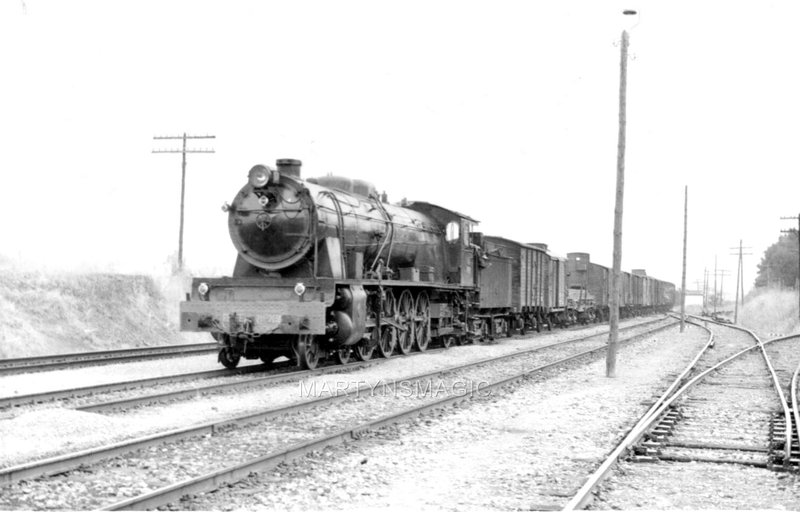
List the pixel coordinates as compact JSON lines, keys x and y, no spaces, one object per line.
{"x":253,"y":317}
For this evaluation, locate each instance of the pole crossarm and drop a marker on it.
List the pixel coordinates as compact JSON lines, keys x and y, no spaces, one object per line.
{"x":181,"y":137}
{"x":739,"y":278}
{"x":183,"y":151}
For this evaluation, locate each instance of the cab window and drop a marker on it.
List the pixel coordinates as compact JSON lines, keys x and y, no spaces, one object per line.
{"x":452,"y":232}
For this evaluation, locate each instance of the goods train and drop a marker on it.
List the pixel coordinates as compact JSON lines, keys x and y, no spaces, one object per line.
{"x":326,"y":267}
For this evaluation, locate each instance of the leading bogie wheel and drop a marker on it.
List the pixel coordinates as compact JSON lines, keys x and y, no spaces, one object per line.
{"x":405,"y":317}
{"x":229,"y":357}
{"x":422,"y":322}
{"x":342,"y":355}
{"x":308,"y":351}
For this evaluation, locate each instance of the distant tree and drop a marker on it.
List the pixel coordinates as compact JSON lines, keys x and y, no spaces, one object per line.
{"x":779,"y":264}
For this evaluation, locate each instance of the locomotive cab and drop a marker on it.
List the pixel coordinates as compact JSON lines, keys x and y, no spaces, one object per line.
{"x":459,"y":250}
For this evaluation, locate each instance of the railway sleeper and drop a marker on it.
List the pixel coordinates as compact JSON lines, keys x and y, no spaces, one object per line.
{"x":777,"y":453}
{"x":647,"y":449}
{"x":644,"y":458}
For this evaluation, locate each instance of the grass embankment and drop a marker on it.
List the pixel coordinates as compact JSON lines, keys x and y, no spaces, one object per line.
{"x":43,"y":313}
{"x":771,"y":311}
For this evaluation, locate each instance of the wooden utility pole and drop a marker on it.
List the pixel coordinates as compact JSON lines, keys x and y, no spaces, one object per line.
{"x":613,"y":320}
{"x":683,"y":276}
{"x":183,"y":151}
{"x":705,"y":290}
{"x":739,"y":280}
{"x":716,"y":299}
{"x":798,"y":257}
{"x":721,"y":273}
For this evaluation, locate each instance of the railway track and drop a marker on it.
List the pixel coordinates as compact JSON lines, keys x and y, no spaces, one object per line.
{"x":287,"y":371}
{"x":318,"y":424}
{"x":169,"y":396}
{"x":720,"y":410}
{"x":288,"y":374}
{"x":79,"y":359}
{"x":784,"y":352}
{"x":98,"y":389}
{"x":238,"y":385}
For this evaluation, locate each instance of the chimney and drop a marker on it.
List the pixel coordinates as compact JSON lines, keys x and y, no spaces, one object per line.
{"x":289,"y":167}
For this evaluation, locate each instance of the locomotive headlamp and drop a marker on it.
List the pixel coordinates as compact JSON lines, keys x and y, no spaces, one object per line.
{"x":259,"y":176}
{"x":299,"y":289}
{"x":202,"y":289}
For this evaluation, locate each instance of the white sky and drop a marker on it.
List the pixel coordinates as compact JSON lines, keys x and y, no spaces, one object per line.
{"x":505,"y":111}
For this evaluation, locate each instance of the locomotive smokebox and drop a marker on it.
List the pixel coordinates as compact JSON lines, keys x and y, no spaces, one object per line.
{"x":289,"y":167}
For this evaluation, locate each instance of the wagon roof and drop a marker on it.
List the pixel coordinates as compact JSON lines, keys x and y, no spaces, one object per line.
{"x":411,"y":204}
{"x":521,"y":244}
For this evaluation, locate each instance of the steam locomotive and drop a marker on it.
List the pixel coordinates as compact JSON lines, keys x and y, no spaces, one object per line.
{"x":326,"y":267}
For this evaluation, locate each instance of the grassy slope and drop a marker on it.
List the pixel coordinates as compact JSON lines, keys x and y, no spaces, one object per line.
{"x":58,"y":313}
{"x":771,"y":311}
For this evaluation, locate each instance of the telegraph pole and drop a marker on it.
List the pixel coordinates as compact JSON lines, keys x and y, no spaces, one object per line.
{"x":705,"y":290}
{"x":183,"y":152}
{"x":613,"y":317}
{"x":683,"y":277}
{"x":716,"y":298}
{"x":739,"y":280}
{"x":721,"y":273}
{"x":798,"y":255}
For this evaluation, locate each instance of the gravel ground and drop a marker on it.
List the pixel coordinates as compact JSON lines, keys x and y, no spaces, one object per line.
{"x":529,"y":448}
{"x":51,"y":431}
{"x":700,"y":486}
{"x":40,"y":382}
{"x":733,"y":407}
{"x":785,"y":358}
{"x":100,"y":484}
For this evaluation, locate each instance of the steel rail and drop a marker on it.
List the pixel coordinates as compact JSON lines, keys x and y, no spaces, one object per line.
{"x":212,"y":480}
{"x":45,"y":396}
{"x":787,"y":454}
{"x":787,"y":413}
{"x":15,"y":400}
{"x":13,"y":366}
{"x":75,"y":359}
{"x":171,"y":395}
{"x":795,"y":381}
{"x":61,"y":463}
{"x":681,"y":377}
{"x":584,"y":494}
{"x":240,"y":384}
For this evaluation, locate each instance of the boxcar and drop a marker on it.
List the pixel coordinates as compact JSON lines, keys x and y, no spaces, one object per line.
{"x":532,"y":290}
